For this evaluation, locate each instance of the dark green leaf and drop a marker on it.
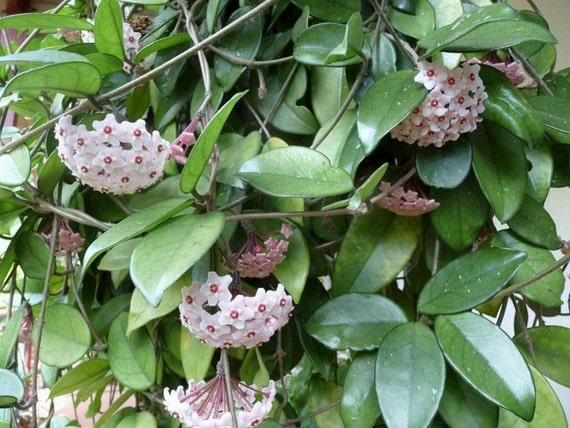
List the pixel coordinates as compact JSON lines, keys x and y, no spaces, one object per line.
{"x":331,"y":10}
{"x":410,"y":374}
{"x":15,"y":166}
{"x":329,"y":88}
{"x":469,"y":280}
{"x":374,"y":251}
{"x":295,"y":171}
{"x":80,"y":376}
{"x":354,"y":321}
{"x":323,"y":394}
{"x":487,"y":359}
{"x":234,"y":151}
{"x":11,"y":388}
{"x":50,"y":174}
{"x":9,"y":336}
{"x":33,"y":255}
{"x":384,"y":56}
{"x":499,"y":163}
{"x":540,"y":172}
{"x":385,"y":104}
{"x":417,"y":25}
{"x":351,"y":43}
{"x":533,"y":223}
{"x":44,"y":21}
{"x":444,"y":167}
{"x":162,"y":43}
{"x":108,"y":29}
{"x":554,"y":112}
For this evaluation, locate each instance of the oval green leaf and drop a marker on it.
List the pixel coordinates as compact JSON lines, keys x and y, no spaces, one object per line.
{"x":555,"y":113}
{"x":15,"y":166}
{"x":79,"y":377}
{"x":9,"y":336}
{"x":385,"y":104}
{"x":417,"y":25}
{"x":410,"y":375}
{"x":33,"y":255}
{"x":11,"y":388}
{"x":469,"y":280}
{"x":331,"y":10}
{"x":444,"y":167}
{"x":354,"y":321}
{"x":295,"y":171}
{"x":44,"y":21}
{"x":50,"y":174}
{"x":533,"y":223}
{"x":486,"y":358}
{"x":108,"y":29}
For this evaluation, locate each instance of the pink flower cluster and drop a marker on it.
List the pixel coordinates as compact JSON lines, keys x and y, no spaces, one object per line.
{"x":452,"y":106}
{"x":216,"y":317}
{"x":208,"y":405}
{"x":119,"y":158}
{"x":405,"y":203}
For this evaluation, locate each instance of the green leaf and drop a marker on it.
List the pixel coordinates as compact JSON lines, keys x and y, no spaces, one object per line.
{"x":76,"y":79}
{"x":463,"y":406}
{"x":11,"y":388}
{"x":9,"y":336}
{"x":119,"y":257}
{"x":38,"y":58}
{"x":551,"y":351}
{"x":200,"y":153}
{"x":417,"y":25}
{"x":383,"y":58}
{"x":354,"y":321}
{"x":180,"y":242}
{"x":50,"y":174}
{"x":499,"y":163}
{"x":444,"y":167}
{"x":139,"y":419}
{"x":533,"y":223}
{"x":295,"y":171}
{"x":554,"y":113}
{"x":358,"y":403}
{"x":196,"y":356}
{"x":540,"y":172}
{"x":410,"y":374}
{"x":351,"y":43}
{"x":323,"y":394}
{"x":80,"y":376}
{"x":366,"y":188}
{"x":33,"y":255}
{"x":65,"y":338}
{"x":329,"y":88}
{"x":108,"y":29}
{"x":160,"y":44}
{"x":234,"y":151}
{"x":385,"y":104}
{"x":469,"y":280}
{"x":548,"y":413}
{"x":331,"y":10}
{"x":44,"y":21}
{"x":374,"y":251}
{"x":294,"y":270}
{"x":132,"y":226}
{"x":546,"y":291}
{"x":15,"y":166}
{"x":110,"y":310}
{"x":131,"y":358}
{"x":487,"y":359}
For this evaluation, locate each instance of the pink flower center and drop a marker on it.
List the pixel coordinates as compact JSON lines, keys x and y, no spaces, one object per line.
{"x":84,"y":168}
{"x":460,"y":100}
{"x":80,"y":141}
{"x":441,"y":118}
{"x":214,"y":288}
{"x":234,"y":314}
{"x":430,"y":73}
{"x":152,"y":174}
{"x":124,"y":179}
{"x":108,"y":160}
{"x":159,"y":148}
{"x":210,"y":328}
{"x":137,"y":132}
{"x":138,"y":160}
{"x":250,"y":334}
{"x":282,"y":302}
{"x":189,"y":300}
{"x":434,"y":103}
{"x":108,"y":129}
{"x":261,"y":307}
{"x":472,"y":77}
{"x":451,"y":81}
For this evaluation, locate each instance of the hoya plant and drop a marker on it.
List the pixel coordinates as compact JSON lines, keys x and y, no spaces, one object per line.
{"x":282,"y":213}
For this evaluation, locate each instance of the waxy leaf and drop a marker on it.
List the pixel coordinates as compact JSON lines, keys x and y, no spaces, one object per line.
{"x":385,"y":104}
{"x":295,"y":171}
{"x":108,"y":28}
{"x":499,"y":163}
{"x":9,"y":336}
{"x":180,"y":242}
{"x":554,"y":112}
{"x":33,"y":255}
{"x":50,"y":174}
{"x":200,"y":153}
{"x":444,"y":167}
{"x":196,"y":355}
{"x":80,"y":376}
{"x":15,"y":166}
{"x":160,"y":44}
{"x":410,"y":374}
{"x":469,"y":280}
{"x":418,"y":24}
{"x":487,"y":359}
{"x":11,"y":388}
{"x":533,"y":223}
{"x":132,"y":358}
{"x":44,"y":21}
{"x":551,"y":351}
{"x":323,"y":394}
{"x":354,"y":321}
{"x":331,"y":10}
{"x":139,"y":419}
{"x":374,"y":251}
{"x":540,"y":172}
{"x":329,"y":88}
{"x":359,"y":403}
{"x":351,"y":44}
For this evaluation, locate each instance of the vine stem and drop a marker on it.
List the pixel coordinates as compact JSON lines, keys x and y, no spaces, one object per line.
{"x":193,"y":50}
{"x":228,"y":381}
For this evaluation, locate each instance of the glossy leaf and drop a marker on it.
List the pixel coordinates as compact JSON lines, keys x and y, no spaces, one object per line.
{"x":294,"y":270}
{"x":160,"y":44}
{"x":545,"y":291}
{"x":329,"y":88}
{"x":551,"y":351}
{"x":9,"y":336}
{"x":50,"y":174}
{"x":554,"y":112}
{"x":108,"y":29}
{"x":469,"y":280}
{"x":321,"y":395}
{"x":410,"y":374}
{"x":65,"y":338}
{"x":200,"y":153}
{"x":15,"y":166}
{"x":140,"y":419}
{"x":385,"y":104}
{"x":131,"y":358}
{"x":417,"y":25}
{"x":119,"y":257}
{"x":333,"y":10}
{"x":548,"y":413}
{"x":499,"y":163}
{"x":80,"y":376}
{"x":295,"y":171}
{"x":180,"y":242}
{"x":374,"y":251}
{"x":383,"y":58}
{"x":354,"y":321}
{"x":444,"y":167}
{"x":541,"y":171}
{"x":533,"y":223}
{"x":351,"y":43}
{"x":37,"y":58}
{"x":234,"y":151}
{"x":359,"y":403}
{"x":44,"y":21}
{"x":487,"y":359}
{"x":33,"y":255}
{"x":11,"y":388}
{"x":365,"y":189}
{"x":196,"y":356}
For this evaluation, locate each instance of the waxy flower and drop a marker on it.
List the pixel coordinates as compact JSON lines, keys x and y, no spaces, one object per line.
{"x":68,"y":241}
{"x":405,"y":203}
{"x":224,"y":320}
{"x":451,"y":107}
{"x":119,"y":158}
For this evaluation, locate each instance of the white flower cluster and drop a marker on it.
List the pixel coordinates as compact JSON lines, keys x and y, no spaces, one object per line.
{"x":206,"y":405}
{"x":119,"y":158}
{"x":451,"y":108}
{"x":216,"y":317}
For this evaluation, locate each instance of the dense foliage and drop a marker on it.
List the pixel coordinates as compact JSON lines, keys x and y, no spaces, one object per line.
{"x":387,"y":162}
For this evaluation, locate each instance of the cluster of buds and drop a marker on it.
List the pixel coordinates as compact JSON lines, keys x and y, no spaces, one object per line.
{"x":452,"y":106}
{"x":512,"y":69}
{"x":119,"y":158}
{"x":208,"y":404}
{"x":68,"y":241}
{"x":405,"y":202}
{"x":212,"y":313}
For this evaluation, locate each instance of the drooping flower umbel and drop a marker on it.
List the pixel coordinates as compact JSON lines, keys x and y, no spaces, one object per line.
{"x":225,"y":320}
{"x":451,"y":107}
{"x":405,"y":202}
{"x":512,"y":69}
{"x":115,"y":157}
{"x":208,"y":405}
{"x":68,"y":241}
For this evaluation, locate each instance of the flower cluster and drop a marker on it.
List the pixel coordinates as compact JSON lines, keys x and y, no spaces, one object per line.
{"x":452,"y":106}
{"x":260,"y":256}
{"x":512,"y":69}
{"x":405,"y":203}
{"x":215,"y":316}
{"x":208,"y":405}
{"x":119,"y":158}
